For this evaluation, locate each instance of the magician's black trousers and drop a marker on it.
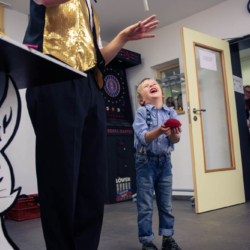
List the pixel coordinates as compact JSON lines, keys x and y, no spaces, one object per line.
{"x":69,"y":120}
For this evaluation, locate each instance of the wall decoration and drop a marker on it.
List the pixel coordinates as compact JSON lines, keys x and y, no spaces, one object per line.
{"x":10,"y":113}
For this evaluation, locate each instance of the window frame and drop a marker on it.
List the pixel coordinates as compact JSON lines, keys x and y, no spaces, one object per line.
{"x":166,"y":68}
{"x":159,"y":71}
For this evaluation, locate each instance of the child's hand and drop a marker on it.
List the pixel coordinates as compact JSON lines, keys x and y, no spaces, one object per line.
{"x":165,"y":131}
{"x":176,"y":130}
{"x":170,"y":131}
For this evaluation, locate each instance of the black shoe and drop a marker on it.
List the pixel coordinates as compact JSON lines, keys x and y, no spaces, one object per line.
{"x":149,"y":246}
{"x":170,"y":244}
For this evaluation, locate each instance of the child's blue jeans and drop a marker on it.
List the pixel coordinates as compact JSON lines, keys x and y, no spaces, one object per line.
{"x":154,"y":173}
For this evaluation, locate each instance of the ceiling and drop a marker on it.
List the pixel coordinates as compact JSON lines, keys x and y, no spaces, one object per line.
{"x":115,"y":15}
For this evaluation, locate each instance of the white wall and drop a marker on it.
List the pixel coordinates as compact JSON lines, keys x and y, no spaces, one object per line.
{"x":21,"y":151}
{"x":225,"y":20}
{"x":245,"y":68}
{"x":15,"y":24}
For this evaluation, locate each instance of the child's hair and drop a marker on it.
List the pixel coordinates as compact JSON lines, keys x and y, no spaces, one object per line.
{"x":138,"y":93}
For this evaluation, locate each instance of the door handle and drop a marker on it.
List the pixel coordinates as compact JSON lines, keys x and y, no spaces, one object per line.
{"x":196,"y":110}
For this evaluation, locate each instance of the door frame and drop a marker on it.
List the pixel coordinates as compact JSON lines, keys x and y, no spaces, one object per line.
{"x":236,"y":45}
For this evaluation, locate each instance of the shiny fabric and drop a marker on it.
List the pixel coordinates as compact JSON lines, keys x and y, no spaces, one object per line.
{"x":68,"y":35}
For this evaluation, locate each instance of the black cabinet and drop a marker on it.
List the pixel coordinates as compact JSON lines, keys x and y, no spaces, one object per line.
{"x":121,"y":177}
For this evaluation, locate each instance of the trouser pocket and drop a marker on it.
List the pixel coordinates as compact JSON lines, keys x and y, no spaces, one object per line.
{"x":141,"y":161}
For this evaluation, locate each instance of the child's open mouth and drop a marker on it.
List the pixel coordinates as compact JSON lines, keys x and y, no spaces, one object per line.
{"x":153,"y":90}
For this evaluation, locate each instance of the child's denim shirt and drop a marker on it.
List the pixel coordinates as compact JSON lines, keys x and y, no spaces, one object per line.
{"x":148,"y":118}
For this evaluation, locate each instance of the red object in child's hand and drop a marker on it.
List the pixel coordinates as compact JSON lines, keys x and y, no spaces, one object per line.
{"x":172,"y":123}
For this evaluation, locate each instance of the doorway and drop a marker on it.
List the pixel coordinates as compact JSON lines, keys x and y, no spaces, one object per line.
{"x":238,"y":48}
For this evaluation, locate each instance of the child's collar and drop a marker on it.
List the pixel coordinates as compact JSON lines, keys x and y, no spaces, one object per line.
{"x":150,"y":107}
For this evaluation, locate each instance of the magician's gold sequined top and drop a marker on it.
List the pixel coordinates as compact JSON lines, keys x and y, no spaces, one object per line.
{"x":64,"y":32}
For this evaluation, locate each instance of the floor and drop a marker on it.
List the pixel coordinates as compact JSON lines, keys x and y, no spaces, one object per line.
{"x":224,"y":229}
